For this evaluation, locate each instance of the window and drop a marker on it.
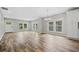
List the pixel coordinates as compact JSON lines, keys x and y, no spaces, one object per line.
{"x":59,"y":26}
{"x":50,"y":26}
{"x":36,"y":26}
{"x":20,"y":26}
{"x":78,"y":25}
{"x":8,"y":23}
{"x":25,"y":25}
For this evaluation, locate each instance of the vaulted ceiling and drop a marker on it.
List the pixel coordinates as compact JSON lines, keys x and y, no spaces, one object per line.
{"x":30,"y":13}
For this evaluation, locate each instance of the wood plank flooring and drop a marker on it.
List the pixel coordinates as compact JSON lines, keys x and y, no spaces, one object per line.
{"x":35,"y":42}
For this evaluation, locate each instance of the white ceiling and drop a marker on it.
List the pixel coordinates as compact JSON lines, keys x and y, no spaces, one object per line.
{"x":30,"y":13}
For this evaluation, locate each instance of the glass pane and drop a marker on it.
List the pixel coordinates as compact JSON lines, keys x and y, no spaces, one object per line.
{"x":36,"y":26}
{"x":50,"y":26}
{"x":50,"y":23}
{"x":8,"y":23}
{"x":78,"y":25}
{"x":25,"y":25}
{"x":20,"y":26}
{"x":59,"y":22}
{"x":58,"y":25}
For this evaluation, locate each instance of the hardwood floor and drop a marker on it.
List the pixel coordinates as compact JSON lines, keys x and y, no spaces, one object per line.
{"x":35,"y":42}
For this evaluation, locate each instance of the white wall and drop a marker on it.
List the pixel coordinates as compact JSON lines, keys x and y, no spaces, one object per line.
{"x":2,"y":28}
{"x":24,"y":22}
{"x":10,"y":27}
{"x":70,"y":21}
{"x":72,"y":17}
{"x":14,"y":26}
{"x":69,"y":24}
{"x":44,"y":26}
{"x":54,"y":19}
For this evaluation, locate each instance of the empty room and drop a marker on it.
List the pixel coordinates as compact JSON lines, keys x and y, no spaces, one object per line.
{"x":39,"y":29}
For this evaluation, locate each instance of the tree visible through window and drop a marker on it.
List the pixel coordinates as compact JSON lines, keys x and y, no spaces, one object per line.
{"x":20,"y":26}
{"x":59,"y":26}
{"x":8,"y":23}
{"x":50,"y":26}
{"x":25,"y":25}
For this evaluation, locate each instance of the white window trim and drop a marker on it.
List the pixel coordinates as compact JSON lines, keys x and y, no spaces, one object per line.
{"x":53,"y":27}
{"x":61,"y":25}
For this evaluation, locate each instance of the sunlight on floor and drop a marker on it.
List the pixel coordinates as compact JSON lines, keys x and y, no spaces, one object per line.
{"x":33,"y":41}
